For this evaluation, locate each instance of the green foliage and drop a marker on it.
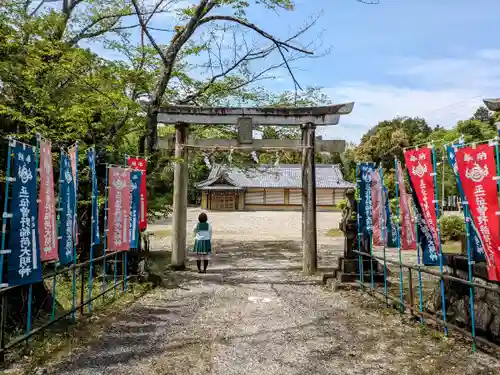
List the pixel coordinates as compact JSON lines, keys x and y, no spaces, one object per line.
{"x":342,"y":204}
{"x":452,"y":227}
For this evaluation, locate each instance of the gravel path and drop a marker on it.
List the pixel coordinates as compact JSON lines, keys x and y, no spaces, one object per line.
{"x":254,"y":314}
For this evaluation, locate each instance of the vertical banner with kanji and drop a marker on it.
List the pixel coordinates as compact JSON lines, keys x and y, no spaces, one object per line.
{"x":391,"y":233}
{"x":91,"y":155}
{"x":476,"y":244}
{"x":408,"y":239}
{"x":73,"y":156}
{"x":377,"y":208}
{"x":24,"y":263}
{"x":365,"y":197}
{"x":477,"y":171}
{"x":47,"y":205}
{"x":135,"y":177}
{"x":119,"y":209}
{"x":141,"y":164}
{"x":421,"y":179}
{"x":67,"y":213}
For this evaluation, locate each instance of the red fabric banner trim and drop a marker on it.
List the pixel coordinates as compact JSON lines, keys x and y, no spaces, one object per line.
{"x":119,"y":209}
{"x":46,"y":206}
{"x":477,"y":169}
{"x":408,"y":237}
{"x":141,"y":164}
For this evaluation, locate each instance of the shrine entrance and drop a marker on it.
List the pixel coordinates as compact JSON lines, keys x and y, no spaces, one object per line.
{"x":245,"y":119}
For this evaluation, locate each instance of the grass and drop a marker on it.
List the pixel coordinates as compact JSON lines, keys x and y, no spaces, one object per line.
{"x":452,"y":247}
{"x":334,"y":232}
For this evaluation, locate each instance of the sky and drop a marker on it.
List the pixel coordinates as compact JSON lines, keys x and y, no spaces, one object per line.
{"x":430,"y":58}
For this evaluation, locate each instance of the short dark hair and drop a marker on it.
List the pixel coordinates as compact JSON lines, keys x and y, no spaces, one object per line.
{"x":203,"y":218}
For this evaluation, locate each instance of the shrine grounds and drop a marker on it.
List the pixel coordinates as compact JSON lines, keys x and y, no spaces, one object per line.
{"x":253,"y":313}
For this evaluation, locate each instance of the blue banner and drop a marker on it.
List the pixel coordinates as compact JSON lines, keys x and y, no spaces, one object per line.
{"x":424,"y":235}
{"x":476,"y":245}
{"x":365,"y":197}
{"x":135,"y":202}
{"x":67,"y":221}
{"x":24,"y":265}
{"x":392,"y":235}
{"x":91,"y":155}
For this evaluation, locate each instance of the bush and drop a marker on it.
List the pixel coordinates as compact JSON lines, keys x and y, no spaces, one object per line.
{"x":452,"y":227}
{"x":342,"y":204}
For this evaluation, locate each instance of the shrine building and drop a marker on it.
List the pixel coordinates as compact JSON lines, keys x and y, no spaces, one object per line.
{"x":270,"y":188}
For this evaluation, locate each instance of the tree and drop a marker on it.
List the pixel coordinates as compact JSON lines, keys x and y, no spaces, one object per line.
{"x":200,"y":17}
{"x":482,"y":114}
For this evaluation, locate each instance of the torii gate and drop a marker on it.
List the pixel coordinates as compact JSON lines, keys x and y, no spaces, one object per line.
{"x":245,"y":119}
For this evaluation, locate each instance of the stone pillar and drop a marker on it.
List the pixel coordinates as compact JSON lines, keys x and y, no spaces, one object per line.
{"x":309,"y":249}
{"x":179,"y":218}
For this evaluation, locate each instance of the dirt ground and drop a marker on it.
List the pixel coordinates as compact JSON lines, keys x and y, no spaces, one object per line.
{"x":253,"y":313}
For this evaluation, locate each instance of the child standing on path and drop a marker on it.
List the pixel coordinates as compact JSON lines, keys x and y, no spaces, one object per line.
{"x":202,"y":242}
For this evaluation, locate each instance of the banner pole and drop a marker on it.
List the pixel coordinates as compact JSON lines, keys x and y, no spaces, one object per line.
{"x":439,"y":245}
{"x":75,"y":223}
{"x":105,"y":233}
{"x":359,"y":232}
{"x":383,"y":220}
{"x":398,"y":238}
{"x":92,"y":234}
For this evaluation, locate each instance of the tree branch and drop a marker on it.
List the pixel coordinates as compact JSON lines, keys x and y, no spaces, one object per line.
{"x":257,"y":29}
{"x":148,"y":34}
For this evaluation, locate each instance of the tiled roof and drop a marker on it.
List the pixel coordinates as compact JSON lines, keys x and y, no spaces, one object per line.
{"x":281,"y":176}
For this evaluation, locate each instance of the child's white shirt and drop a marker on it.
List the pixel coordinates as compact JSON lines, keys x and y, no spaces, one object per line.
{"x":202,"y":235}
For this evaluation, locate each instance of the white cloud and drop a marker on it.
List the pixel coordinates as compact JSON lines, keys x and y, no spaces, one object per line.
{"x":443,"y":91}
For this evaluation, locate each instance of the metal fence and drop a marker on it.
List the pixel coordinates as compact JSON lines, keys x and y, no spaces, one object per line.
{"x":51,"y":301}
{"x":95,"y":274}
{"x":406,"y":289}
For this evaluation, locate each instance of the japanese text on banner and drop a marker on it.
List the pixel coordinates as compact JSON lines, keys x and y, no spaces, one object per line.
{"x":420,"y":171}
{"x":73,"y":156}
{"x":135,"y":177}
{"x":67,"y":214}
{"x":119,"y":209}
{"x":476,"y":168}
{"x":141,"y":164}
{"x":24,"y":264}
{"x":47,"y":205}
{"x":91,"y":156}
{"x":377,"y":213}
{"x":365,"y":202}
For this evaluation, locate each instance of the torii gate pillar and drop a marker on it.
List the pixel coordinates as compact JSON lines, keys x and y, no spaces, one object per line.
{"x":245,"y":118}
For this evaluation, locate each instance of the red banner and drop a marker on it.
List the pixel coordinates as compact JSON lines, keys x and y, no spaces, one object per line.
{"x":141,"y":164}
{"x":477,"y":169}
{"x":47,"y":206}
{"x":119,"y":209}
{"x":73,"y":161}
{"x":377,"y":208}
{"x":408,"y":238}
{"x":419,"y":165}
